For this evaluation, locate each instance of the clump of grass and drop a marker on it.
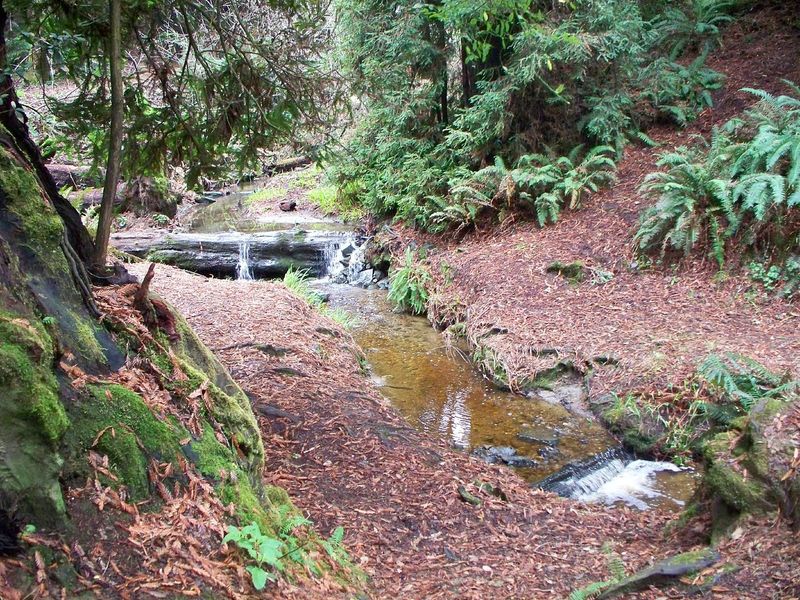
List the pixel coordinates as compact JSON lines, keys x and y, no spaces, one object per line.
{"x":297,"y":281}
{"x":308,"y":178}
{"x":329,"y":201}
{"x":264,"y":195}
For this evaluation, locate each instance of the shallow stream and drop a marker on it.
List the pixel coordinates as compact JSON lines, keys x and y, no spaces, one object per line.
{"x":440,"y":392}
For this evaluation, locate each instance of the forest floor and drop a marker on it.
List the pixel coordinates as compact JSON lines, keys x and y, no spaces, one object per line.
{"x":347,"y":458}
{"x":656,"y":322}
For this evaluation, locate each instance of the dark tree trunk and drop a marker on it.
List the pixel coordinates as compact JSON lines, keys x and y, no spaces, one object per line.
{"x":115,"y":144}
{"x":77,"y":236}
{"x":467,"y":77}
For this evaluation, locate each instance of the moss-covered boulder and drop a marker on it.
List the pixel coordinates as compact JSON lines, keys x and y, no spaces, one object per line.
{"x":33,"y":418}
{"x":749,"y":467}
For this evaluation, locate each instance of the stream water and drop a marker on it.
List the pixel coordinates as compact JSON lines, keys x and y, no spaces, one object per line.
{"x":440,"y":392}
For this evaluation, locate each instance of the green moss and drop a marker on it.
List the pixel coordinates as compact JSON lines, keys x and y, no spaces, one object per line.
{"x":26,"y":376}
{"x":138,"y":435}
{"x":573,"y":272}
{"x":639,"y":442}
{"x":125,"y":459}
{"x":745,"y":495}
{"x":39,"y":220}
{"x":212,"y":458}
{"x":88,"y":345}
{"x":547,"y":379}
{"x":33,"y":421}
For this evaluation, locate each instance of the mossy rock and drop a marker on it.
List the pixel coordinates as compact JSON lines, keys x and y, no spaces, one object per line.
{"x":32,"y":235}
{"x":725,"y":479}
{"x":116,"y":422}
{"x":34,"y":420}
{"x":574,"y":272}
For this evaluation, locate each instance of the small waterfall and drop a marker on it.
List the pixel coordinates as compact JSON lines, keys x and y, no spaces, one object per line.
{"x":345,"y":260}
{"x":243,"y":271}
{"x":609,"y":477}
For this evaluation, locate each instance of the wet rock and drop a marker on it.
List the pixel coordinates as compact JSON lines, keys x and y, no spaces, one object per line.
{"x":503,"y":455}
{"x":146,"y":195}
{"x":270,"y":254}
{"x":571,"y":396}
{"x":548,"y":452}
{"x":365,"y":278}
{"x":576,"y":475}
{"x":346,"y":251}
{"x":539,"y":435}
{"x":75,"y":176}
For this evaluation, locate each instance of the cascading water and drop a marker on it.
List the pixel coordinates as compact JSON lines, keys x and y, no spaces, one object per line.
{"x":243,"y":271}
{"x":610,"y":477}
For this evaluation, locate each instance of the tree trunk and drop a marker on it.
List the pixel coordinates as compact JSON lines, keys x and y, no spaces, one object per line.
{"x":78,"y":238}
{"x":115,"y":144}
{"x":467,"y":84}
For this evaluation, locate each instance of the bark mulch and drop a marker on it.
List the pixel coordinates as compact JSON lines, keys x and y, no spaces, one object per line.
{"x":347,"y":458}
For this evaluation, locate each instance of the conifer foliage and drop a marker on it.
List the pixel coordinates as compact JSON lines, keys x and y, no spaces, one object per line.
{"x":452,"y":91}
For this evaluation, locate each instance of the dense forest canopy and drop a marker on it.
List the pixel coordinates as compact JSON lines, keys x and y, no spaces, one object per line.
{"x":206,"y":85}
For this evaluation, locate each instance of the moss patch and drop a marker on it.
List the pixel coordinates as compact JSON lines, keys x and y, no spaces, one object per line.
{"x":574,"y":272}
{"x":137,"y":436}
{"x":33,"y":421}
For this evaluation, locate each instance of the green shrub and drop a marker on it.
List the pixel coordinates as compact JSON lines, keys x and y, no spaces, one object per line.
{"x":744,"y":187}
{"x":693,"y":200}
{"x":697,"y":27}
{"x":539,"y":79}
{"x":408,"y":285}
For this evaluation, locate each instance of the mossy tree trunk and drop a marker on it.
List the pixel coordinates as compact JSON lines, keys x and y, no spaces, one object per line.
{"x":13,"y":119}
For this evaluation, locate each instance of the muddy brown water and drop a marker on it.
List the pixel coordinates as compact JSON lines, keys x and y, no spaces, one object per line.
{"x":439,"y":391}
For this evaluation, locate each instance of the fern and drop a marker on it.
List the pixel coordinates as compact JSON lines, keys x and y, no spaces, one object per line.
{"x":690,"y":197}
{"x":697,"y":26}
{"x":743,"y":380}
{"x":408,"y":285}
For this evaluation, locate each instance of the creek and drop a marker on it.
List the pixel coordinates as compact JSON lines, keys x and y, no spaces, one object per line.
{"x":435,"y":386}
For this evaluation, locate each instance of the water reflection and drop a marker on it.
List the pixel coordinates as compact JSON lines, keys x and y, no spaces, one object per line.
{"x":441,"y":393}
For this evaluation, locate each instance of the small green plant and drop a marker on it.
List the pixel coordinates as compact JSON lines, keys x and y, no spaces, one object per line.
{"x":333,"y":546}
{"x":160,"y":220}
{"x":408,"y":285}
{"x":616,"y":568}
{"x":266,"y":551}
{"x":769,"y":277}
{"x":122,"y":222}
{"x":298,"y":283}
{"x":48,"y":320}
{"x":742,"y":381}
